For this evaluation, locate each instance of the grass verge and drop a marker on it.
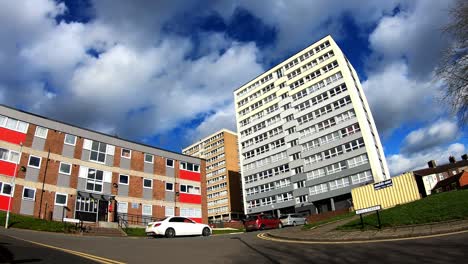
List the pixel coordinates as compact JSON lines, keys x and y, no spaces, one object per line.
{"x":135,"y":231}
{"x":29,"y":222}
{"x":434,"y":208}
{"x":329,"y":220}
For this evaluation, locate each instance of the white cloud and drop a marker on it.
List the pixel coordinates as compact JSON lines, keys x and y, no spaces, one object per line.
{"x":400,"y":163}
{"x":146,"y":81}
{"x":413,"y":34}
{"x":439,"y":133}
{"x":396,"y":99}
{"x":223,"y":118}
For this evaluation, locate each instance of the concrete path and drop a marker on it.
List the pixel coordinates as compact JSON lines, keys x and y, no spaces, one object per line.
{"x":328,"y":232}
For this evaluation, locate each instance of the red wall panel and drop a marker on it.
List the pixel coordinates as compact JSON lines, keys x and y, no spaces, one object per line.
{"x":190,"y":198}
{"x":189,"y":175}
{"x":12,"y":136}
{"x":198,"y":220}
{"x":4,"y":203}
{"x":7,"y":168}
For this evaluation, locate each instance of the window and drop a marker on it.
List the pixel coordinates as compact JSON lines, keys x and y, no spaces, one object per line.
{"x":320,"y":188}
{"x":147,"y":209}
{"x":170,"y":163}
{"x":361,"y":177}
{"x":61,"y":199}
{"x":147,"y":183}
{"x":34,"y":162}
{"x":9,"y":155}
{"x":339,"y":183}
{"x":189,"y":189}
{"x":123,"y":179}
{"x":6,"y":189}
{"x":70,"y":139}
{"x":189,"y":166}
{"x":65,"y":168}
{"x":122,"y":207}
{"x":169,"y":186}
{"x":29,"y":193}
{"x":149,"y":158}
{"x":301,"y":199}
{"x":41,"y":132}
{"x":98,"y":152}
{"x":94,"y":180}
{"x":126,"y":153}
{"x":169,"y":211}
{"x":13,"y":124}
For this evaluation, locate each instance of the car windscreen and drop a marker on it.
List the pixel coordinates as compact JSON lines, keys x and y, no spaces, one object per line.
{"x":283,"y":217}
{"x":251,"y":218}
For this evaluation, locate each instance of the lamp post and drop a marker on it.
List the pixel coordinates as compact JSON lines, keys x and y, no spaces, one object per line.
{"x":43,"y":184}
{"x":13,"y":186}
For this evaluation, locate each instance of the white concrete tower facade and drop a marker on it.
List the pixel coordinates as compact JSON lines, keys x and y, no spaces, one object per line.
{"x":306,"y":134}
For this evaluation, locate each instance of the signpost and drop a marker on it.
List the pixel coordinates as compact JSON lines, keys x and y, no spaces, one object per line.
{"x":375,"y":208}
{"x":383,"y":184}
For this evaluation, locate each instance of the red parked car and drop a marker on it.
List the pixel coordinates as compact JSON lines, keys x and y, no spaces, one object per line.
{"x":260,"y":222}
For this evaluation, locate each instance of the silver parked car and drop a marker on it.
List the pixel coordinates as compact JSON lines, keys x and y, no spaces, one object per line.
{"x":293,"y":220}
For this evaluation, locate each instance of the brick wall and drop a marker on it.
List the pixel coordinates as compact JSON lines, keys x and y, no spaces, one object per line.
{"x":117,"y":157}
{"x":74,"y":176}
{"x":54,"y":141}
{"x":136,"y":162}
{"x":16,"y":202}
{"x":159,"y":165}
{"x":159,"y":190}
{"x":326,"y":215}
{"x":135,"y":188}
{"x":78,"y":148}
{"x":23,"y":162}
{"x":30,"y":135}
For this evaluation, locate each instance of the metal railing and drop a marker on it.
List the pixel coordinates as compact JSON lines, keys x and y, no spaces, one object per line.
{"x":134,"y":219}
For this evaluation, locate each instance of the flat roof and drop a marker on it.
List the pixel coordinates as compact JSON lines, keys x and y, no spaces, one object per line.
{"x":211,"y":135}
{"x":115,"y":140}
{"x":283,"y":61}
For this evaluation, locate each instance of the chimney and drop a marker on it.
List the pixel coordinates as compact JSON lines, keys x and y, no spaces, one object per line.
{"x":432,"y":164}
{"x":464,"y":156}
{"x":452,"y":159}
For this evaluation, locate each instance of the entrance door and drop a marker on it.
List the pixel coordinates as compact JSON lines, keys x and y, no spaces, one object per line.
{"x":102,"y":215}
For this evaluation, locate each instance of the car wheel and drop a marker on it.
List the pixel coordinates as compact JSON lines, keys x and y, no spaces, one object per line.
{"x":294,"y":223}
{"x":170,"y":233}
{"x":206,"y":231}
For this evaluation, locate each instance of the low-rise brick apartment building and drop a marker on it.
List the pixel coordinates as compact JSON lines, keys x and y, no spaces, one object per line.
{"x":427,"y":178}
{"x":79,"y":173}
{"x":222,"y":174}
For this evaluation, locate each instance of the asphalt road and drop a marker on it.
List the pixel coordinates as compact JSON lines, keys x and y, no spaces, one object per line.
{"x":239,"y":248}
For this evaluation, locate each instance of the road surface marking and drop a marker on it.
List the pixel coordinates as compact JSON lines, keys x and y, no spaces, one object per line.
{"x":77,"y":253}
{"x":265,"y":237}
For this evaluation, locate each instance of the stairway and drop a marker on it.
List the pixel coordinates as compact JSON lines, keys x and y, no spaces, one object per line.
{"x":108,"y":230}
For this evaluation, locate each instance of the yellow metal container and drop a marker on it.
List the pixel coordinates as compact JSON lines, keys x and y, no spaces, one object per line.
{"x":402,"y":190}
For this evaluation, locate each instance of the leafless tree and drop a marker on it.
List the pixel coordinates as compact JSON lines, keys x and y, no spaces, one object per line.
{"x":453,"y":67}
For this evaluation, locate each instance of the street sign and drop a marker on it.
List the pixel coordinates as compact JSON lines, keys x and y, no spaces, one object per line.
{"x":375,"y":209}
{"x":383,"y":184}
{"x":369,"y":209}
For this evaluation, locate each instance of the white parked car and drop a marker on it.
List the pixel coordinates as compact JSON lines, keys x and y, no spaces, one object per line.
{"x":292,"y":220}
{"x":177,"y":226}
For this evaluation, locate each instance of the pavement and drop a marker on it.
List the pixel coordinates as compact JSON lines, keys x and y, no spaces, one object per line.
{"x":328,"y":232}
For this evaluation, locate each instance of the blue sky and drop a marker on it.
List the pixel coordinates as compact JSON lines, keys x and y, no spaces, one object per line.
{"x":163,"y":73}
